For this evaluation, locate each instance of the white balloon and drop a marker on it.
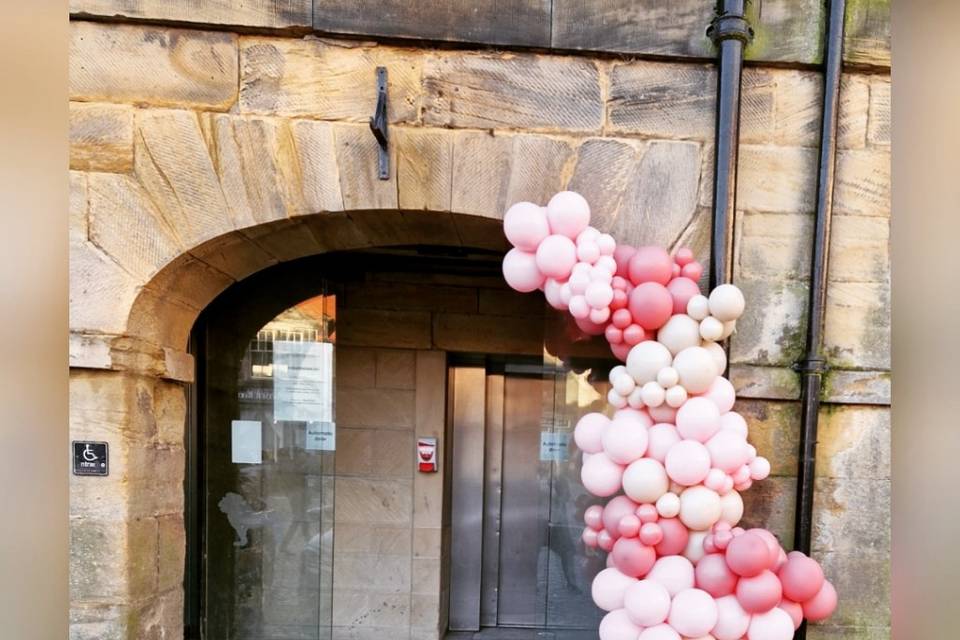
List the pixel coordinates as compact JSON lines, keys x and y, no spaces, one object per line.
{"x":609,"y":587}
{"x":679,"y":332}
{"x":728,"y":328}
{"x":578,"y":282}
{"x":711,"y":328}
{"x":625,"y":439}
{"x":615,"y":372}
{"x":719,"y":355}
{"x":668,"y":377}
{"x":565,"y":293}
{"x":694,"y":549}
{"x":731,"y":508}
{"x":700,"y":508}
{"x":653,"y":394}
{"x":775,"y":624}
{"x":617,"y":625}
{"x":668,"y":505}
{"x":624,"y":383}
{"x":698,"y":307}
{"x":635,"y":399}
{"x":645,"y":480}
{"x":732,"y":620}
{"x":673,"y":572}
{"x":696,"y":367}
{"x":726,"y":302}
{"x":615,"y":399}
{"x":646,"y":359}
{"x":676,"y":396}
{"x":647,"y":603}
{"x":693,"y":613}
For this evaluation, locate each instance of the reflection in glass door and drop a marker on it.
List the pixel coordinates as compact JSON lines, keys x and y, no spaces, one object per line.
{"x":265,"y":475}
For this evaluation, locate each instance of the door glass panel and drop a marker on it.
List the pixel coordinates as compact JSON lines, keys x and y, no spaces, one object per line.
{"x":269,"y":440}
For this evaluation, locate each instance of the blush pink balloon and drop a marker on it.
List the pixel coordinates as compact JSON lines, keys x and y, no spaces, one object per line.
{"x":681,"y":290}
{"x":613,"y":335}
{"x":634,"y":334}
{"x":794,"y":610}
{"x":588,"y":434}
{"x":651,"y":534}
{"x":821,"y":606}
{"x":659,"y":632}
{"x":620,"y":351}
{"x":525,"y":225}
{"x":714,"y":576}
{"x":722,"y":394}
{"x":683,"y":256}
{"x":579,"y":308}
{"x":601,"y":476}
{"x":593,"y":517}
{"x":650,"y":305}
{"x":622,"y":255}
{"x":728,"y":450}
{"x":599,"y":294}
{"x":521,"y":272}
{"x":693,"y":613}
{"x":748,"y":554}
{"x":675,"y":537}
{"x":625,"y":440}
{"x":801,"y":576}
{"x":632,"y":557}
{"x":609,"y":587}
{"x":615,"y":510}
{"x":568,"y":214}
{"x":664,"y":413}
{"x":647,"y":513}
{"x":651,"y":264}
{"x":732,"y":620}
{"x":617,"y":625}
{"x":619,"y":300}
{"x":759,"y":468}
{"x":774,"y":624}
{"x":556,"y":256}
{"x":673,"y":572}
{"x":698,"y":419}
{"x":660,"y":439}
{"x":605,"y":542}
{"x":692,"y":270}
{"x":589,"y":537}
{"x":629,"y":527}
{"x":621,"y":318}
{"x":734,"y":422}
{"x":687,"y":463}
{"x":773,"y":545}
{"x":759,"y":593}
{"x":647,"y":603}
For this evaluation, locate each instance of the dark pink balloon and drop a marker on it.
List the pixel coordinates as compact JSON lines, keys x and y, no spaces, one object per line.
{"x":651,"y":534}
{"x":633,"y":334}
{"x":593,"y":516}
{"x":759,"y":593}
{"x":693,"y":271}
{"x":614,"y":511}
{"x":633,"y":558}
{"x":613,"y":335}
{"x":605,"y":540}
{"x":620,"y":300}
{"x":620,"y":351}
{"x":622,"y":255}
{"x":589,"y":537}
{"x":588,"y":327}
{"x":675,"y":537}
{"x":801,"y":576}
{"x":647,"y":513}
{"x":821,"y":606}
{"x":650,"y":305}
{"x":621,"y":318}
{"x":684,"y":256}
{"x":748,"y":554}
{"x":651,"y":264}
{"x":629,"y":526}
{"x":795,"y":611}
{"x":714,"y":576}
{"x":773,"y":545}
{"x":681,"y":290}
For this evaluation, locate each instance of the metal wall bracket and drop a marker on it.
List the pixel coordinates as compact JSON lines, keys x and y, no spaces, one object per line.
{"x":378,"y":124}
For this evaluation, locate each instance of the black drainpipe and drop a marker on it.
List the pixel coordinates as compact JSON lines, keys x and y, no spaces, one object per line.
{"x":813,"y":366}
{"x":730,"y":32}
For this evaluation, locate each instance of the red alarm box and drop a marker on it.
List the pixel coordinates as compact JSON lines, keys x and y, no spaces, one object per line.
{"x":427,"y":455}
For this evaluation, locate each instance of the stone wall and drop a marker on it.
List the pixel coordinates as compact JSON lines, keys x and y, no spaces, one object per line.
{"x":201,"y":156}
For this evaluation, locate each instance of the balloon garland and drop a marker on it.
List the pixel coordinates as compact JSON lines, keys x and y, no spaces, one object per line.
{"x":678,"y":564}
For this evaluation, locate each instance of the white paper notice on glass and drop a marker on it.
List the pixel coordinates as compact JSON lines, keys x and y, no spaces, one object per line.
{"x":553,"y":446}
{"x":246,"y":441}
{"x":303,"y":381}
{"x":321,"y":436}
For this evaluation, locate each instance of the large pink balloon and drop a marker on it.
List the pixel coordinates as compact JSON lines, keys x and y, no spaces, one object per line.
{"x":601,"y":475}
{"x":748,"y":554}
{"x":632,"y":557}
{"x":568,"y":214}
{"x":732,"y":620}
{"x":773,"y":546}
{"x":608,"y":588}
{"x":621,"y":256}
{"x":588,"y":434}
{"x":673,"y":572}
{"x":693,"y":613}
{"x":775,"y":624}
{"x":675,"y":537}
{"x":614,"y":512}
{"x":617,"y":625}
{"x":681,"y":290}
{"x":728,"y":450}
{"x":714,"y":576}
{"x":801,"y":576}
{"x":556,"y":256}
{"x":521,"y":272}
{"x":698,"y":419}
{"x":759,"y":593}
{"x":687,"y":462}
{"x":661,"y":437}
{"x":647,"y":603}
{"x":821,"y":606}
{"x":651,"y":264}
{"x":525,"y":225}
{"x":722,"y":393}
{"x":650,"y":305}
{"x":625,"y":439}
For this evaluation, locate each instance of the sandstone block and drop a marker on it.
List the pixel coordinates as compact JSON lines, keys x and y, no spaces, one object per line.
{"x":172,"y":547}
{"x":857,"y":325}
{"x":425,"y":170}
{"x":78,"y":207}
{"x":601,"y":172}
{"x":772,"y":334}
{"x":773,"y":245}
{"x":408,"y":296}
{"x":854,"y":443}
{"x":862,"y":184}
{"x":379,"y":328}
{"x":770,"y":504}
{"x":798,"y":107}
{"x":488,"y":334}
{"x":859,"y":249}
{"x":878,"y":129}
{"x":537,"y":168}
{"x":355,"y":367}
{"x":777,"y":179}
{"x":357,"y":158}
{"x":94,"y":276}
{"x":101,"y":137}
{"x":853,"y":111}
{"x":396,"y":369}
{"x":258,"y":13}
{"x":773,"y":383}
{"x":774,"y":431}
{"x":481,"y":173}
{"x":857,"y":387}
{"x":378,"y":453}
{"x":662,"y":100}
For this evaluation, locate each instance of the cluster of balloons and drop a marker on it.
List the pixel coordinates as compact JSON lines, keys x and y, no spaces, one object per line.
{"x":674,"y":457}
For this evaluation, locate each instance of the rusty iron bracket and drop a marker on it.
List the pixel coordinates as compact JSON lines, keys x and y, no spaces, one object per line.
{"x":378,"y":124}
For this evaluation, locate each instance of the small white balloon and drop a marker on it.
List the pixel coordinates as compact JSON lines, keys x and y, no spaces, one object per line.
{"x":726,"y":302}
{"x":719,"y":355}
{"x":646,"y":359}
{"x":676,"y":396}
{"x":616,"y":371}
{"x":700,"y":508}
{"x":615,"y":399}
{"x":645,"y":480}
{"x":694,"y":550}
{"x":728,"y":328}
{"x":698,"y":307}
{"x":565,"y":293}
{"x":711,"y":328}
{"x":697,"y":369}
{"x":653,"y":394}
{"x":606,"y":244}
{"x":607,"y":263}
{"x":668,"y":506}
{"x":579,"y":282}
{"x":635,"y":399}
{"x":668,"y":377}
{"x":679,"y":332}
{"x":624,"y":384}
{"x":731,"y":508}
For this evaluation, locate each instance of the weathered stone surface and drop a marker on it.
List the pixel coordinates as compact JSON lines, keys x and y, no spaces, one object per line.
{"x":772,"y":245}
{"x":857,"y":325}
{"x":852,"y":515}
{"x":78,"y":207}
{"x":481,"y":173}
{"x":285,"y":239}
{"x":316,"y":166}
{"x":512,"y":91}
{"x":374,"y":453}
{"x":101,"y":137}
{"x":425,"y":171}
{"x":537,"y":168}
{"x":326,"y":79}
{"x":798,"y":106}
{"x":853,"y":111}
{"x":95,"y":277}
{"x":256,"y":13}
{"x":773,"y":383}
{"x":859,"y":249}
{"x":171,"y":549}
{"x":770,"y":504}
{"x":161,"y":320}
{"x":862,"y":184}
{"x":233,"y":254}
{"x":857,"y":387}
{"x":777,"y":179}
{"x":866,"y":578}
{"x":854,"y":443}
{"x":878,"y":130}
{"x":194,"y":285}
{"x":357,"y":158}
{"x":773,"y":332}
{"x":866,"y":34}
{"x":774,"y":431}
{"x":426,"y":542}
{"x":662,"y":100}
{"x":661,"y":196}
{"x":507,"y":302}
{"x":603,"y":167}
{"x":151,"y":65}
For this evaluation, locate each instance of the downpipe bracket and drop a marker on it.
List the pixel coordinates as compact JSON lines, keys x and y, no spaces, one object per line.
{"x":730,"y":27}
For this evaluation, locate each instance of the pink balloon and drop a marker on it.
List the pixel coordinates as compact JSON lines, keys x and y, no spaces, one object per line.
{"x":589,"y":327}
{"x":698,"y":419}
{"x":660,"y":438}
{"x":579,"y":308}
{"x":589,"y":537}
{"x":693,"y":613}
{"x":651,"y":264}
{"x":759,"y":468}
{"x":647,"y":603}
{"x":599,"y":294}
{"x":664,"y":413}
{"x":801,"y":576}
{"x":617,"y":625}
{"x":613,"y":335}
{"x":588,"y":252}
{"x":716,"y":479}
{"x":681,"y":290}
{"x":525,"y":225}
{"x":714,"y":576}
{"x":588,"y":434}
{"x":619,"y":300}
{"x":732,"y":620}
{"x":615,"y":510}
{"x":659,"y":632}
{"x":675,"y":537}
{"x":774,"y":624}
{"x":759,"y":593}
{"x":650,"y":305}
{"x":684,"y":256}
{"x":629,"y":527}
{"x":634,"y":334}
{"x":551,"y":291}
{"x":593,"y":517}
{"x":621,"y":256}
{"x":821,"y":606}
{"x":693,"y":271}
{"x":722,"y":393}
{"x":673,"y":572}
{"x":632,"y":557}
{"x":734,"y":422}
{"x":625,"y":440}
{"x":608,"y":588}
{"x":687,"y":463}
{"x":621,"y":318}
{"x":601,"y":476}
{"x":728,"y":450}
{"x":556,"y":256}
{"x":568,"y":214}
{"x":795,"y":611}
{"x":620,"y":351}
{"x":605,"y":542}
{"x":651,"y":534}
{"x":647,"y":513}
{"x":521,"y":272}
{"x":600,"y":316}
{"x":773,"y":545}
{"x":748,"y":554}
